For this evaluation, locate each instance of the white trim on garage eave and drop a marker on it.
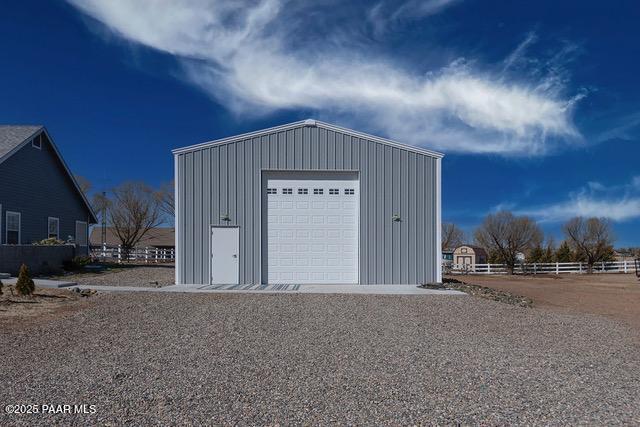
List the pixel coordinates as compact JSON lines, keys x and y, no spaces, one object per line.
{"x":311,"y":123}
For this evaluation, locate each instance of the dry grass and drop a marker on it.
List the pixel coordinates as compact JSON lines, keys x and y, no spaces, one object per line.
{"x":616,"y":296}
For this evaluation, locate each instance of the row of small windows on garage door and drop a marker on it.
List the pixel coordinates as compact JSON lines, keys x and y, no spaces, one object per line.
{"x":317,"y":191}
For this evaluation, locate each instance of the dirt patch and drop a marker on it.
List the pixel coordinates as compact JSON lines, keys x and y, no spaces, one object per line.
{"x":615,"y":296}
{"x":44,"y":304}
{"x":488,"y":293}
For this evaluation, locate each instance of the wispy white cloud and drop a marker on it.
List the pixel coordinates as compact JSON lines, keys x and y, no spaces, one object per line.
{"x":519,"y":52}
{"x":388,"y":13}
{"x":618,"y":203}
{"x":245,"y":54}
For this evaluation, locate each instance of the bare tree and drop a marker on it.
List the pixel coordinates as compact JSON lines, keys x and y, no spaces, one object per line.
{"x":133,"y":211}
{"x":592,"y":239}
{"x":452,"y":236}
{"x":166,"y":200}
{"x":506,"y":235}
{"x":83,"y":183}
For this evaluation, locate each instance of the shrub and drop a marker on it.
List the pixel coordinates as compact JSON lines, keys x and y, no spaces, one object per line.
{"x":77,"y":263}
{"x":25,"y":285}
{"x":51,"y":241}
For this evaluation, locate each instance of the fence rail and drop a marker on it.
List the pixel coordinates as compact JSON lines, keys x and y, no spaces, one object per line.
{"x":147,"y":254}
{"x":542,"y":268}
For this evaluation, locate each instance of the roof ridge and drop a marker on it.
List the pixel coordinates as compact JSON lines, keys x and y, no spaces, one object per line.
{"x":308,"y":123}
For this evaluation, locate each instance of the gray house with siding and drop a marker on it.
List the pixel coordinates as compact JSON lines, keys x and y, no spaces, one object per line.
{"x":39,"y":197}
{"x":306,"y":203}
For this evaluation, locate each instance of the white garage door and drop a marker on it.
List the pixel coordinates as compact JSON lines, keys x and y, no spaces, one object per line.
{"x":312,"y":231}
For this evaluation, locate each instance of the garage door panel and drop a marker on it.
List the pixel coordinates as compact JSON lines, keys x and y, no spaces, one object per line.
{"x":312,"y":224}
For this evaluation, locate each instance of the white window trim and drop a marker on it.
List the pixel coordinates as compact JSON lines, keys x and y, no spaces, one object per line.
{"x":39,"y":139}
{"x":57,"y":226}
{"x":86,"y":231}
{"x":6,"y":230}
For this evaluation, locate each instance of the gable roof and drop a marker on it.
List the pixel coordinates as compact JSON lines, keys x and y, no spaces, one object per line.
{"x":11,"y":137}
{"x":14,"y":137}
{"x":478,"y":250}
{"x":310,"y":123}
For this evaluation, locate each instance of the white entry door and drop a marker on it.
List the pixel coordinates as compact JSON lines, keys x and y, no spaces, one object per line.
{"x":225,"y":250}
{"x":312,"y":231}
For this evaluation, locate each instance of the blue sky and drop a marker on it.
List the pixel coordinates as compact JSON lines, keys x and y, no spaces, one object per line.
{"x":535,"y":104}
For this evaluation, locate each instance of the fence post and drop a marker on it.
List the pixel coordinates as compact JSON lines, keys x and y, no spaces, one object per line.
{"x":535,"y":268}
{"x":625,"y":266}
{"x":119,"y":254}
{"x":489,"y":268}
{"x":580,"y":267}
{"x":557,"y":267}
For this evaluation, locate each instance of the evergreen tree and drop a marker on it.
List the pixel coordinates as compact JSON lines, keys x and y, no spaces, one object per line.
{"x":549,"y":255}
{"x":536,"y":254}
{"x":564,"y":253}
{"x":25,"y":285}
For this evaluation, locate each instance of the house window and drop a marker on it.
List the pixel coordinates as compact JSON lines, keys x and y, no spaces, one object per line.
{"x":37,"y":142}
{"x":303,"y":191}
{"x":318,"y":191}
{"x":13,"y":228}
{"x":334,"y":191}
{"x":81,"y":233}
{"x":463,"y":250}
{"x":54,"y":228}
{"x":349,"y":191}
{"x":287,"y":191}
{"x":272,"y":191}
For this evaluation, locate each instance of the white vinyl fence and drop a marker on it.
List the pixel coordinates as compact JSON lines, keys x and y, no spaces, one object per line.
{"x":542,"y":268}
{"x":116,"y":253}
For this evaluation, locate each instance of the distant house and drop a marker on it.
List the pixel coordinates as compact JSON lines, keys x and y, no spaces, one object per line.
{"x":469,"y":255}
{"x":447,"y":256}
{"x":159,"y":238}
{"x":39,"y":198}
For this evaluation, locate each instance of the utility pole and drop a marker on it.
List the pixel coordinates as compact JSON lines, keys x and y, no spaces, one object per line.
{"x":104,"y":219}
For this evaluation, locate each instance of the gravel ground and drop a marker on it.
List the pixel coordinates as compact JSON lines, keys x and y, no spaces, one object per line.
{"x":321,"y":359}
{"x":127,"y":275}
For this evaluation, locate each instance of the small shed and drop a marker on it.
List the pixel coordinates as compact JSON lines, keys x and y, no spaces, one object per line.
{"x":469,"y":256}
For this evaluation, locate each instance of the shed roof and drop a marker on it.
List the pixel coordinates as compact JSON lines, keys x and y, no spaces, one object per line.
{"x":310,"y":123}
{"x":478,"y":250}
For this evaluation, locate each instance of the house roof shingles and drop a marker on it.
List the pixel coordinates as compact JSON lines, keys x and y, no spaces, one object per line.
{"x":12,"y":136}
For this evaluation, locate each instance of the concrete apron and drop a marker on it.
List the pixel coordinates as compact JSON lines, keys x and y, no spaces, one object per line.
{"x":278,"y":289}
{"x":41,"y":283}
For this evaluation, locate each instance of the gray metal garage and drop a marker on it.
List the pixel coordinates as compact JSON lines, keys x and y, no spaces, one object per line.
{"x":307,"y":202}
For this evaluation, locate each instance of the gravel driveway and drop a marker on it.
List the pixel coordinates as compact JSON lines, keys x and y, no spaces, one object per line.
{"x":322,"y":359}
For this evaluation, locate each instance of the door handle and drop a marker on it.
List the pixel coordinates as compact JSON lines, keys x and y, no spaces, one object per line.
{"x":235,"y":255}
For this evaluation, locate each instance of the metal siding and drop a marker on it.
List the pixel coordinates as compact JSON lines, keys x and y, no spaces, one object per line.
{"x":240,"y":199}
{"x":396,"y":227}
{"x":406,"y":217}
{"x":413,"y":223}
{"x":227,"y":178}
